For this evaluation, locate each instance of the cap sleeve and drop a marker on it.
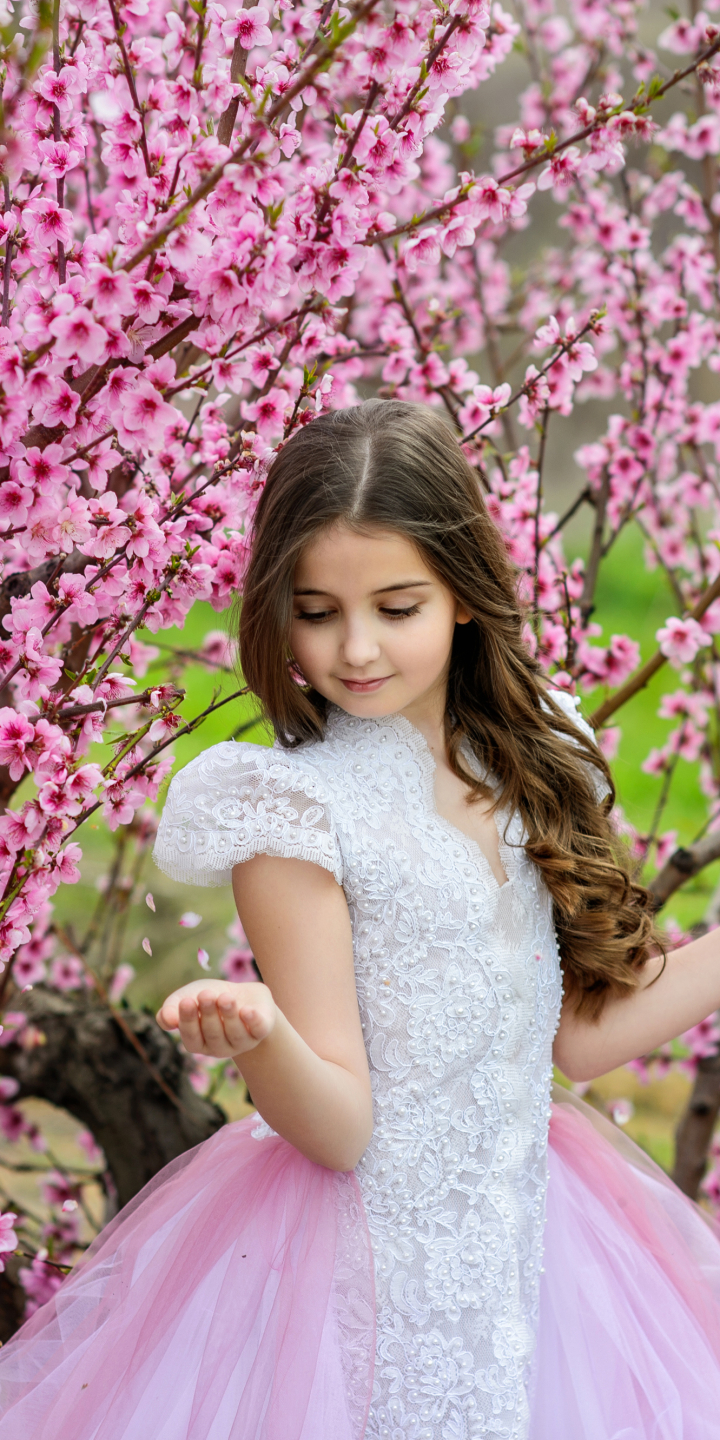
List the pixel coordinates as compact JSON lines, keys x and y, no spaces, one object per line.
{"x":570,"y":705}
{"x":239,"y":800}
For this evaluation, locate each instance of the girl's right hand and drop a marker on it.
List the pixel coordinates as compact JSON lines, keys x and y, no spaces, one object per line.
{"x":218,"y":1017}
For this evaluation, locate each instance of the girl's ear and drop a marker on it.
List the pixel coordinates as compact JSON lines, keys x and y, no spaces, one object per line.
{"x":463,"y":616}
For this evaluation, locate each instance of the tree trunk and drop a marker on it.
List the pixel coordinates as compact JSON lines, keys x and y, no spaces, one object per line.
{"x":87,"y":1065}
{"x":696,"y":1127}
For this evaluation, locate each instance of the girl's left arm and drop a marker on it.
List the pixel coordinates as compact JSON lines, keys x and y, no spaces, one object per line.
{"x":686,"y":992}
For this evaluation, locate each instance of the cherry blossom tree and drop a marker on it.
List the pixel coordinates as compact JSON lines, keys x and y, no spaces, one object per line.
{"x":220,"y":220}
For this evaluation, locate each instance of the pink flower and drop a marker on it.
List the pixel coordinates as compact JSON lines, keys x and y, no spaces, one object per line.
{"x":144,"y":416}
{"x":68,"y":973}
{"x":66,"y":864}
{"x":27,"y":968}
{"x":15,"y":502}
{"x":49,"y":225}
{"x":62,"y":406}
{"x":110,"y":291}
{"x":40,"y":670}
{"x":59,"y":157}
{"x":16,"y":736}
{"x":40,"y":1282}
{"x":120,"y":804}
{"x":78,"y":335}
{"x":249,"y":27}
{"x":237,"y":964}
{"x":8,"y":1237}
{"x":422,"y":249}
{"x":680,"y":640}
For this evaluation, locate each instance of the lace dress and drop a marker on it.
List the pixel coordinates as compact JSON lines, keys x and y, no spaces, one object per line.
{"x":458,"y":981}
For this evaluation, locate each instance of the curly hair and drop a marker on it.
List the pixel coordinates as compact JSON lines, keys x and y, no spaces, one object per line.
{"x":397,"y":466}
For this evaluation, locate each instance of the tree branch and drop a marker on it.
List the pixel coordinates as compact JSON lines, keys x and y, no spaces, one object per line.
{"x":644,"y":675}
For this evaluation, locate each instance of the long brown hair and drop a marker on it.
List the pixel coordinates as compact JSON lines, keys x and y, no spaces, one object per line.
{"x":397,"y":466}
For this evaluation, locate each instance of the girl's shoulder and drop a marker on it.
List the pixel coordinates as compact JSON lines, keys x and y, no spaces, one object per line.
{"x":237,"y":800}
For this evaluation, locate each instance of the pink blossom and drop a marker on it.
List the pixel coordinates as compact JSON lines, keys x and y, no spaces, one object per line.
{"x":27,"y":968}
{"x":59,"y":157}
{"x":110,"y":291}
{"x":40,"y":670}
{"x":78,"y":335}
{"x":50,"y":224}
{"x":62,"y":406}
{"x":68,"y":973}
{"x":144,"y":416}
{"x":16,"y":736}
{"x":66,"y":864}
{"x":8,"y":1237}
{"x":237,"y":965}
{"x":40,"y":1282}
{"x":422,"y":249}
{"x":249,"y":27}
{"x":15,"y":502}
{"x":680,"y":640}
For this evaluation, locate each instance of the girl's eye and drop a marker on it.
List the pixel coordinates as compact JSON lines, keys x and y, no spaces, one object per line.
{"x":316,"y":617}
{"x":400,"y":614}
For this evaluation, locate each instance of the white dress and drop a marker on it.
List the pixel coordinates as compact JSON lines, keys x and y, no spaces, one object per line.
{"x":459,"y":986}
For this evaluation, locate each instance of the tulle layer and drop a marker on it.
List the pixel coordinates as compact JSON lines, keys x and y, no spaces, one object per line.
{"x":629,"y":1338}
{"x":231,"y":1300}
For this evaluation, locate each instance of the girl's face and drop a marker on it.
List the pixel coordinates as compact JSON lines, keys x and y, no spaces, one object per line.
{"x":373,"y":625}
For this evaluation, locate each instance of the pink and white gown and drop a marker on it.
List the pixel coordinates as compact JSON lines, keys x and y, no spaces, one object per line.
{"x":468,"y":1281}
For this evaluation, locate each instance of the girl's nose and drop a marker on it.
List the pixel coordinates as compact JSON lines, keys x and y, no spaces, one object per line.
{"x":359,"y":646}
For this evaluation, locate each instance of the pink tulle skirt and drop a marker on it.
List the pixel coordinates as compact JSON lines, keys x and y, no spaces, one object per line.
{"x":233,"y":1300}
{"x":629,"y":1336}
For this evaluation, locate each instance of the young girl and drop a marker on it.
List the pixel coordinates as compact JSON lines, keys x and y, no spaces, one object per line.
{"x":427,"y":874}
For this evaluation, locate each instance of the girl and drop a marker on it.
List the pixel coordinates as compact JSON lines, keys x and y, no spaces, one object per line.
{"x":427,"y":873}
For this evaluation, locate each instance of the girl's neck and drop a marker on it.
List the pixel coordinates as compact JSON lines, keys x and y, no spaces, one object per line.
{"x":427,"y":714}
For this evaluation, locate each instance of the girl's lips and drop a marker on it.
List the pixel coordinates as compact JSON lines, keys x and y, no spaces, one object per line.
{"x":365,"y":687}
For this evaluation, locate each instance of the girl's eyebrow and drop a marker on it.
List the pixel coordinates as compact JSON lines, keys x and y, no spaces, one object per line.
{"x":383,"y":589}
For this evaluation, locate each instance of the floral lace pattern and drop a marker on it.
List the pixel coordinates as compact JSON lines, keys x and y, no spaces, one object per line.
{"x":459,"y":986}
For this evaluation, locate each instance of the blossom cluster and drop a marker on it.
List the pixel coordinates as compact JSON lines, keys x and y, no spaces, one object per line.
{"x":221,"y":219}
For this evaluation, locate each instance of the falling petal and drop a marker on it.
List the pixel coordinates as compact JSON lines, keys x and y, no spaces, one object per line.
{"x":69,"y":1205}
{"x":189,"y":920}
{"x":147,"y":947}
{"x":204,"y":959}
{"x":621,"y":1110}
{"x":150,"y":902}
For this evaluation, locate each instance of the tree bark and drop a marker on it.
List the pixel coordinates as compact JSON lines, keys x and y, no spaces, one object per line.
{"x":86,"y":1065}
{"x":696,"y":1127}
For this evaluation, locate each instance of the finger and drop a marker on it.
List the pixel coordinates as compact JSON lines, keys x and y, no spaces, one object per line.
{"x":189,"y":1025}
{"x":210,"y":1022}
{"x":167,"y":1015}
{"x":256,"y":1021}
{"x":236,"y":1034}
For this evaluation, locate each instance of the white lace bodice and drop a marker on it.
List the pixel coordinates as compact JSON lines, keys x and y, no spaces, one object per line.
{"x":459,"y":987}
